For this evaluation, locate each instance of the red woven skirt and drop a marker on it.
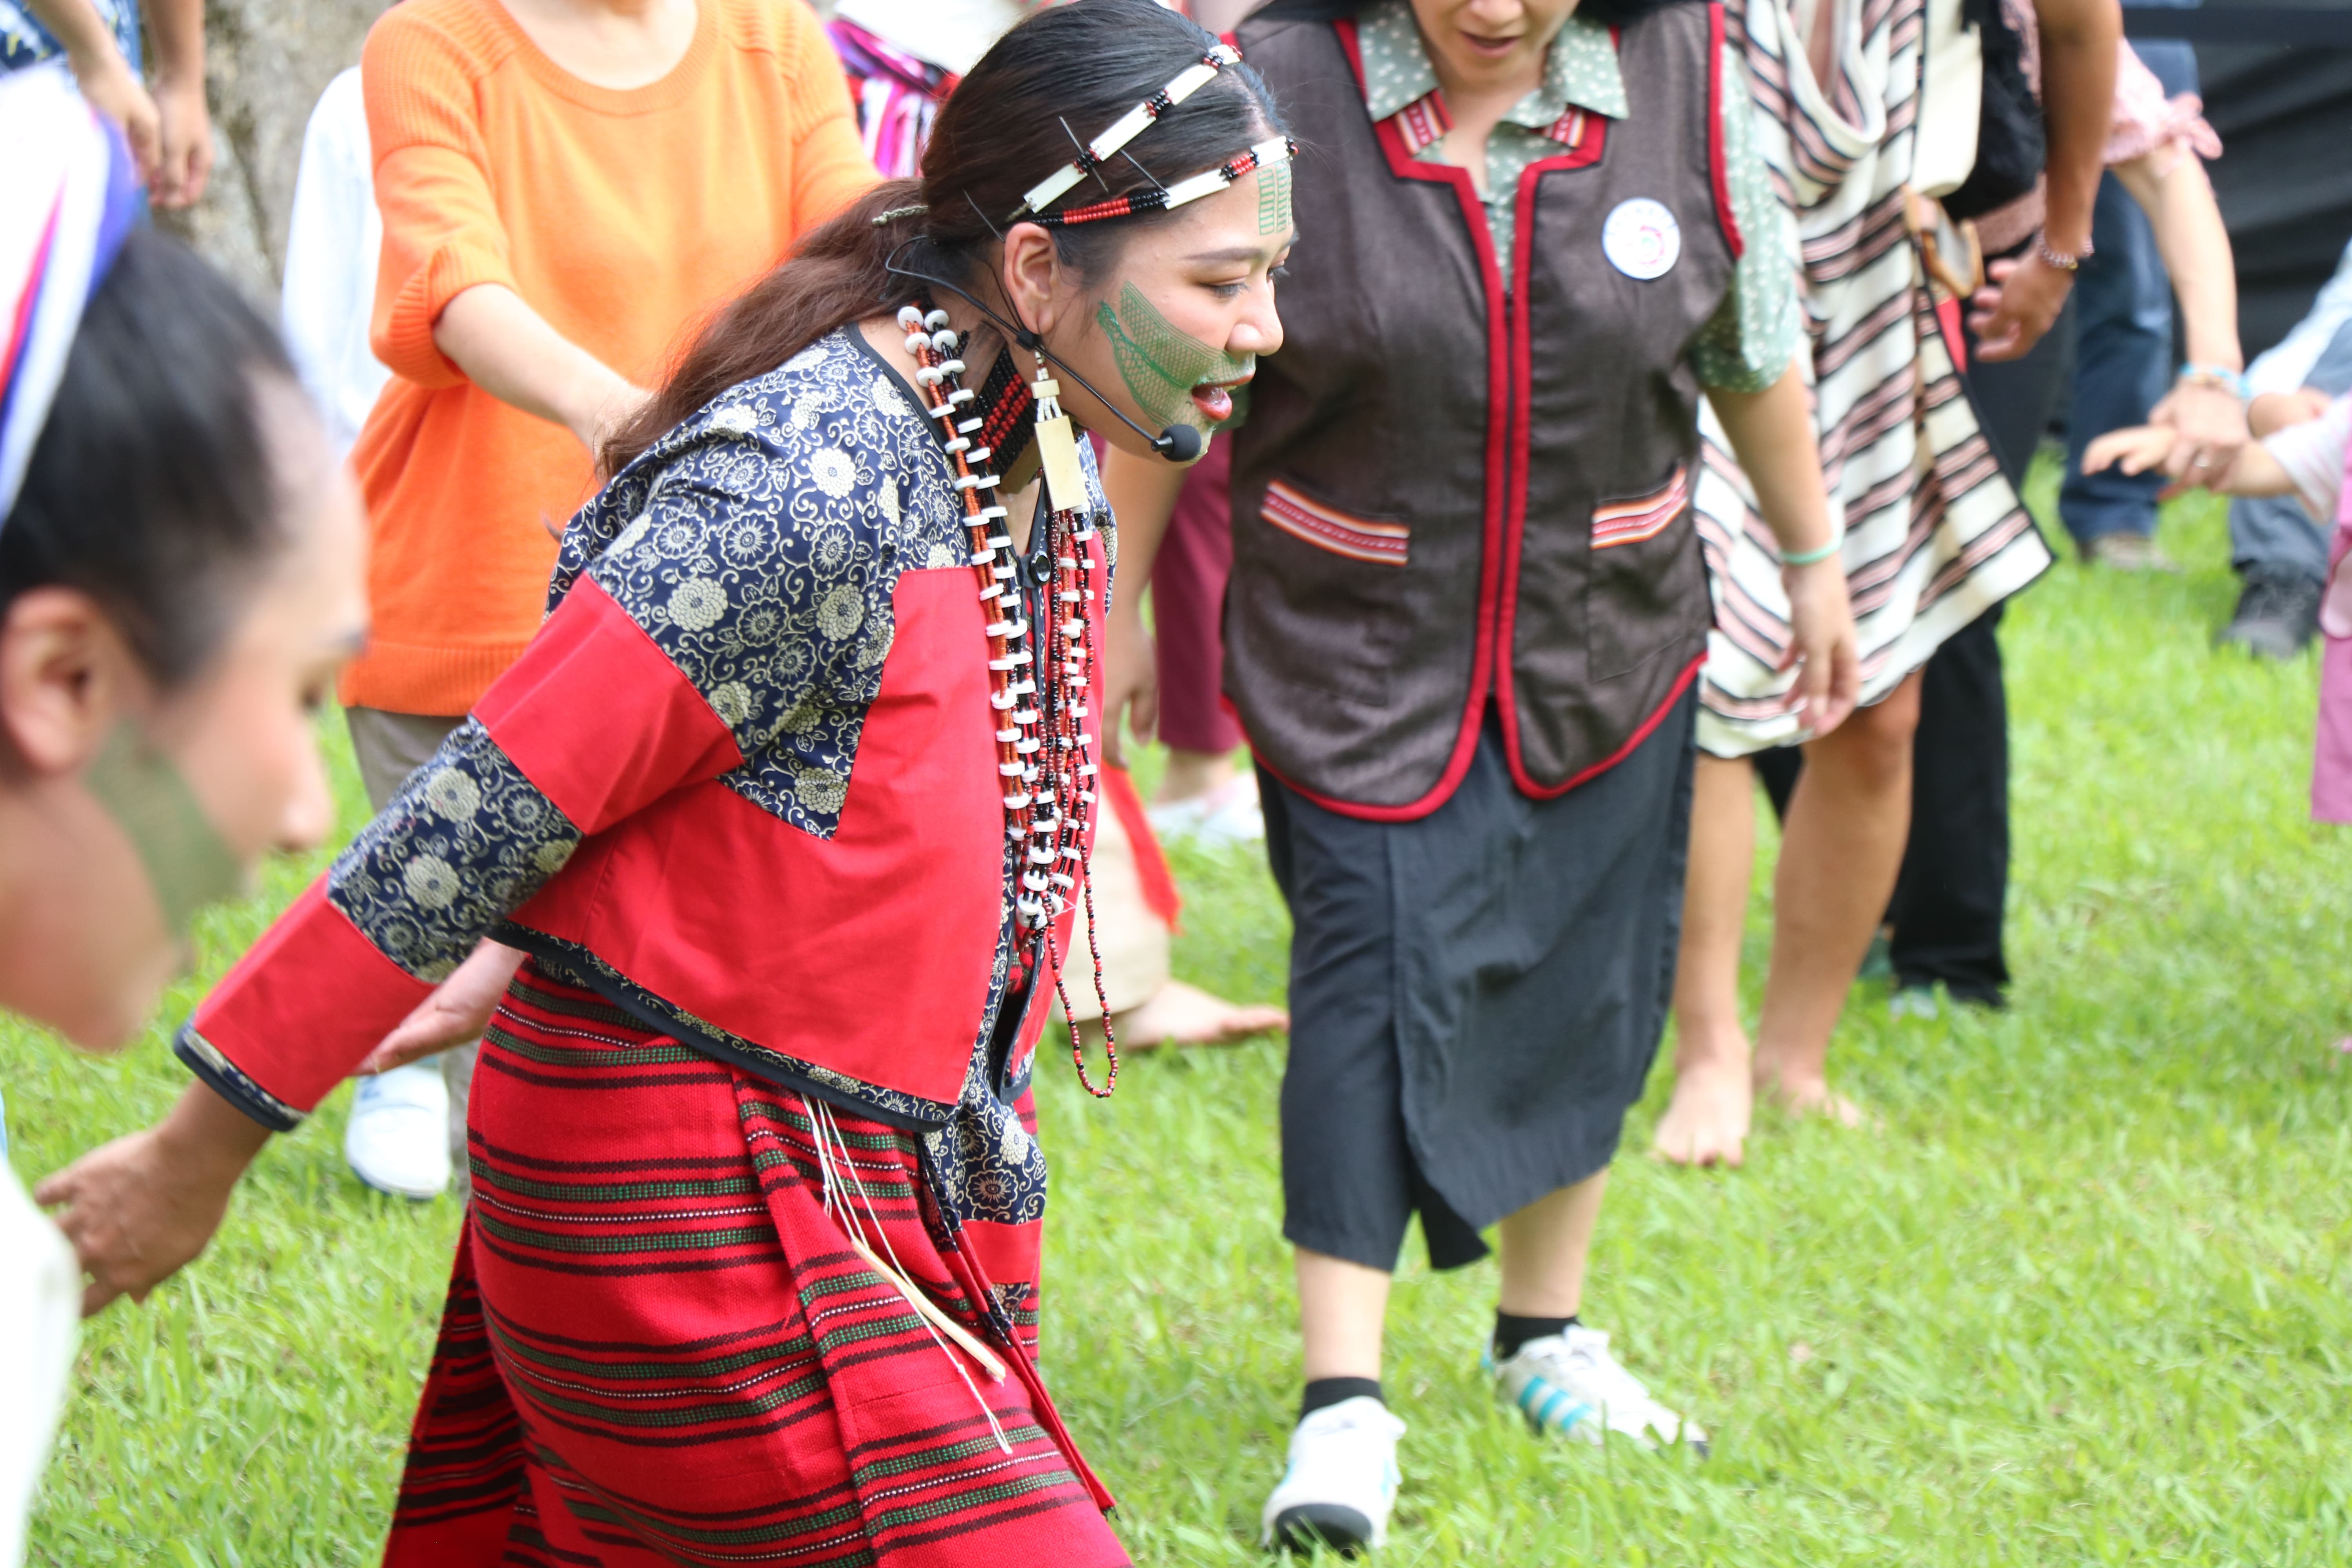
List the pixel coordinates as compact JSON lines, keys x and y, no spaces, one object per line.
{"x":658,"y":1347}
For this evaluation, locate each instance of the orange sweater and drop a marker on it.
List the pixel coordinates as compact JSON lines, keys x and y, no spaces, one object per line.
{"x":622,"y":217}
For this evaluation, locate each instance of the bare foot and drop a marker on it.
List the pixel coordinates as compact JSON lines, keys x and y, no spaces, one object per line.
{"x":1707,"y":1121}
{"x":1181,"y":1014}
{"x":1808,"y":1096}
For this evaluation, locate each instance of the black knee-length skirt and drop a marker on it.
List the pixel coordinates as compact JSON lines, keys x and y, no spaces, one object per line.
{"x":1475,"y":997}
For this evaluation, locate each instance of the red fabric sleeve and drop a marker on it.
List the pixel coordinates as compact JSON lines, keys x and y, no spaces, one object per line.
{"x":597,"y":716}
{"x":301,"y":1010}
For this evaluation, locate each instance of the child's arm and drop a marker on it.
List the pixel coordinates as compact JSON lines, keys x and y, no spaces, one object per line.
{"x":183,"y":143}
{"x":2136,"y":449}
{"x":105,"y":77}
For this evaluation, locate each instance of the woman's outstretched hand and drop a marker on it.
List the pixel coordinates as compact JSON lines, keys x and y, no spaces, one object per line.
{"x":1821,"y":643}
{"x":140,"y":1208}
{"x":455,"y":1015}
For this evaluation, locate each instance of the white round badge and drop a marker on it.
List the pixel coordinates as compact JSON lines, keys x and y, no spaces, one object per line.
{"x":1642,"y":238}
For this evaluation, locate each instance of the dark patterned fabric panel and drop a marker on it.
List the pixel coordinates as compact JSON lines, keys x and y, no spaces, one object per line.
{"x":466,"y":839}
{"x":760,"y":542}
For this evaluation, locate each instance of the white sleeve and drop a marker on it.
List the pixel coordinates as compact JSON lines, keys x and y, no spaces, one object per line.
{"x":40,"y":1308}
{"x":2313,"y":456}
{"x":2287,"y":364}
{"x":333,"y":236}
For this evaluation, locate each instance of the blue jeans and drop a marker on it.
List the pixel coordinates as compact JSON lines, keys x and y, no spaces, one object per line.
{"x":2123,"y":356}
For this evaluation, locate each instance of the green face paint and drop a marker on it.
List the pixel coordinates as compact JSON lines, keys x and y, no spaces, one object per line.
{"x":1273,"y":199}
{"x":1162,"y":364}
{"x":186,"y":862}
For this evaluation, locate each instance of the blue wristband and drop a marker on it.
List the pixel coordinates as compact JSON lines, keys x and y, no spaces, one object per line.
{"x":1814,"y":557}
{"x":2228,"y":381}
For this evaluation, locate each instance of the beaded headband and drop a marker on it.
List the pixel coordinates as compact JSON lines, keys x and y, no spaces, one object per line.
{"x":1265,"y":155}
{"x":1126,"y":129}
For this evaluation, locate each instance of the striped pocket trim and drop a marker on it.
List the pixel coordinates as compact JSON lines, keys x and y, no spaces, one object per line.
{"x":1382,"y":543}
{"x":1644,"y":517}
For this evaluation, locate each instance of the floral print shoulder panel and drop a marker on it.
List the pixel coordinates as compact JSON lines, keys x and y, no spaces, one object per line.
{"x":759,"y":545}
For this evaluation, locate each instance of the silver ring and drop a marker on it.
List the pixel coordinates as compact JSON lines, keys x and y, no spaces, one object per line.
{"x":2200,"y":462}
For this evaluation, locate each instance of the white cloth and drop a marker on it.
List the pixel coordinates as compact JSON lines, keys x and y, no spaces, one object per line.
{"x":2313,"y":456}
{"x":950,"y":34}
{"x":2288,"y":364}
{"x":40,"y":1304}
{"x":67,"y":198}
{"x":1934,"y":535}
{"x":332,"y":244}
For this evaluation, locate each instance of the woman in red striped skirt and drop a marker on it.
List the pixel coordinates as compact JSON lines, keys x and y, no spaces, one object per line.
{"x":789,"y":806}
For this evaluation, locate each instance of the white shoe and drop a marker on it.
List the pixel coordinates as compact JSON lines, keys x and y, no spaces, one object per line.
{"x":1227,"y":814}
{"x":1342,"y":1480}
{"x":398,"y":1139}
{"x":1570,"y":1384}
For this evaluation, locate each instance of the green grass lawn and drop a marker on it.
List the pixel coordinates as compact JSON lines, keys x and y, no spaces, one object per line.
{"x":2080,"y":1294}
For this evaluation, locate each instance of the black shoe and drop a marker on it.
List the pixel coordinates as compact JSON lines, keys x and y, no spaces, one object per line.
{"x":2278,"y":614}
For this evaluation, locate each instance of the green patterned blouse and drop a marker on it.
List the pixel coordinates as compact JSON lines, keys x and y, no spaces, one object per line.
{"x":1750,"y":343}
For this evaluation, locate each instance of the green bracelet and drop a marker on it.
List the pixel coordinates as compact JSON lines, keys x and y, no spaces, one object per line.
{"x":1814,"y":557}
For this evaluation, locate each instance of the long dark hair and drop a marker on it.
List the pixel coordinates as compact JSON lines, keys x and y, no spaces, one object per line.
{"x":153,"y":488}
{"x":1062,"y":76}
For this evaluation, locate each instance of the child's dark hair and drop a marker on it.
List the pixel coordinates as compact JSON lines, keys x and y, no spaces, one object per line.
{"x":1061,"y":77}
{"x":153,"y":488}
{"x":1615,"y":12}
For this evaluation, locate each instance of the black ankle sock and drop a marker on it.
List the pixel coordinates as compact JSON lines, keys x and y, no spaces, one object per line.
{"x":1323,"y":1391}
{"x":1512,"y":1330}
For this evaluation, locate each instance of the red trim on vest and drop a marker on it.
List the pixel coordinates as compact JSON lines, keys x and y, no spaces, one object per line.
{"x":654,"y":730}
{"x":1482,"y":240}
{"x":307,"y":1003}
{"x":1717,"y":169}
{"x":1523,"y":376}
{"x":1641,"y":733}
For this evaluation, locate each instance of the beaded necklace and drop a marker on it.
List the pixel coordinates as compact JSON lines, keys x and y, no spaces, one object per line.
{"x":1038,"y":705}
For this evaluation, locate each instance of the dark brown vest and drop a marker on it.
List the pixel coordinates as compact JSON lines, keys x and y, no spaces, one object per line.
{"x":1435,"y":469}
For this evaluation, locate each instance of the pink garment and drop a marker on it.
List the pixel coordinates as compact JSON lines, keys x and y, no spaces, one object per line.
{"x":2144,"y":122}
{"x":2331,"y":765}
{"x":1188,"y":607}
{"x":898,"y":97}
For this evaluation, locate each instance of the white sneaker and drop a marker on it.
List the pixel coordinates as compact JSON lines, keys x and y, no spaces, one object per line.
{"x":1342,"y":1480}
{"x":1570,"y":1384}
{"x":1228,"y":815}
{"x":398,"y":1139}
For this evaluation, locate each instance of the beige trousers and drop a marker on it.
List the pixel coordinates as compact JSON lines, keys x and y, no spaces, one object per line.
{"x":1132,"y":939}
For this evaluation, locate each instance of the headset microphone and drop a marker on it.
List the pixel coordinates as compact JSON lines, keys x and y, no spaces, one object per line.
{"x":1177,"y":443}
